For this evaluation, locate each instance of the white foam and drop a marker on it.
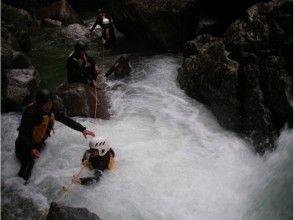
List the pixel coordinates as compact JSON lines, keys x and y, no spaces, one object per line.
{"x":173,"y":159}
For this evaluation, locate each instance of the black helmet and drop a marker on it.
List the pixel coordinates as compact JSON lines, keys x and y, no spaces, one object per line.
{"x":124,"y":59}
{"x":43,"y":95}
{"x":81,"y":46}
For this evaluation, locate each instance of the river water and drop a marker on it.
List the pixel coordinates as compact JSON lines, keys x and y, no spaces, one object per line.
{"x":173,"y":160}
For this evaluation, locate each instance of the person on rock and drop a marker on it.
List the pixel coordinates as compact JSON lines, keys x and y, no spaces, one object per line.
{"x":36,"y":124}
{"x":98,"y":158}
{"x":108,"y":35}
{"x":76,"y":66}
{"x":120,"y":68}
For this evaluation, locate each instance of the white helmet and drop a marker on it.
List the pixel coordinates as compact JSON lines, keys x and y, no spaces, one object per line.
{"x":101,"y":144}
{"x":105,"y":21}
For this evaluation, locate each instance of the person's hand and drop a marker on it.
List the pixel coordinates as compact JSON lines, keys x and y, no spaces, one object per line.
{"x":87,"y":132}
{"x":97,"y":69}
{"x":76,"y":179}
{"x":86,"y":163}
{"x":94,"y":84}
{"x":35,"y":153}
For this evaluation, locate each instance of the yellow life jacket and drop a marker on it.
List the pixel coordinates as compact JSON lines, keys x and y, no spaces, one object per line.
{"x":111,"y":162}
{"x":42,"y":131}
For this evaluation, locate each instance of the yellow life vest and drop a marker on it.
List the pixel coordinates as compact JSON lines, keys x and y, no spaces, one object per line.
{"x":111,"y":163}
{"x":42,"y":131}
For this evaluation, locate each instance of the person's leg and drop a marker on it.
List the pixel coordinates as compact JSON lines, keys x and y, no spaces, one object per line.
{"x":26,"y":169}
{"x":27,"y":162}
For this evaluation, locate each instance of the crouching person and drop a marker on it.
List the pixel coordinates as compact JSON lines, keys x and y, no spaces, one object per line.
{"x":98,"y":158}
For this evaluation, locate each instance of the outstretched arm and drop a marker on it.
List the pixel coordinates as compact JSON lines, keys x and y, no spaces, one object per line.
{"x":92,"y":179}
{"x":73,"y":124}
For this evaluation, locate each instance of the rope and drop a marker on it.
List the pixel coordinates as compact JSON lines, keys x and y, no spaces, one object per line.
{"x":96,"y":95}
{"x":60,"y":194}
{"x":96,"y":102}
{"x":102,"y":54}
{"x":66,"y":187}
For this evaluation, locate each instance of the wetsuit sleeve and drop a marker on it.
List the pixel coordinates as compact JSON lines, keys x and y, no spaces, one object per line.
{"x":108,"y":73}
{"x":91,"y":60}
{"x":86,"y":156}
{"x":92,"y":179}
{"x":26,"y":129}
{"x":94,"y":25}
{"x":73,"y":70}
{"x":68,"y":121}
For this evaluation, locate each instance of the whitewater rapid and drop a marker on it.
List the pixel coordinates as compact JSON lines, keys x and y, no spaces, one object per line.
{"x":173,"y":159}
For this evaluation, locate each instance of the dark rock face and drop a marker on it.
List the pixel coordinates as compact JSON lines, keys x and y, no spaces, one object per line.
{"x":251,"y":94}
{"x":168,"y":24}
{"x":61,"y":11}
{"x":60,"y":212}
{"x":162,"y":23}
{"x":208,"y":75}
{"x":19,"y":17}
{"x":18,"y":87}
{"x":54,"y":9}
{"x":80,"y":100}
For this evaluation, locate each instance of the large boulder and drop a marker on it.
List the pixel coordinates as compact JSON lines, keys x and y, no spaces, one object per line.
{"x":19,"y":201}
{"x":6,"y":56}
{"x":256,"y":101}
{"x":61,"y":212}
{"x":18,"y":87}
{"x":169,"y":23}
{"x":20,"y":18}
{"x":208,"y":75}
{"x":267,"y":32}
{"x":83,"y":100}
{"x":61,"y":11}
{"x":75,"y":32}
{"x":162,"y":23}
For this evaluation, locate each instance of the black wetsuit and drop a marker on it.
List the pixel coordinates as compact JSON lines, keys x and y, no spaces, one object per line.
{"x":110,"y":40}
{"x":98,"y":163}
{"x":77,"y":71}
{"x":32,"y":117}
{"x":125,"y":69}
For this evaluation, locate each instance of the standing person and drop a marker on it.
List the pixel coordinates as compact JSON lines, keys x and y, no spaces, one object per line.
{"x":36,"y":124}
{"x":76,"y":66}
{"x":98,"y":158}
{"x":108,"y":35}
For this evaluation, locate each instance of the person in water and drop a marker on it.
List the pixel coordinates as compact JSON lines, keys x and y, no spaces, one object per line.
{"x":120,"y":68}
{"x":98,"y":158}
{"x":36,"y":124}
{"x":76,"y":66}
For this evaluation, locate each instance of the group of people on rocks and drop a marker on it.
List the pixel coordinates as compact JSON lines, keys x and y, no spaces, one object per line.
{"x":38,"y":118}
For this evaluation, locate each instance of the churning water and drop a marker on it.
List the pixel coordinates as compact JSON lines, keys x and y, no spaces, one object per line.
{"x":173,"y":159}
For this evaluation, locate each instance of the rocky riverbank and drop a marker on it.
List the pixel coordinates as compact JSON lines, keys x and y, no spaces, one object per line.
{"x":245,"y":77}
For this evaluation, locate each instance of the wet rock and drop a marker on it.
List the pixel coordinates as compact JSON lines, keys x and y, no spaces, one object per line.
{"x":156,"y":22}
{"x":212,"y":81}
{"x":75,"y":32}
{"x":80,"y":100}
{"x":20,"y":61}
{"x":51,"y":23}
{"x":18,"y":86}
{"x":256,"y":101}
{"x":19,"y":201}
{"x":61,"y":11}
{"x":24,"y":41}
{"x":20,"y":18}
{"x":6,"y":56}
{"x":60,"y":212}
